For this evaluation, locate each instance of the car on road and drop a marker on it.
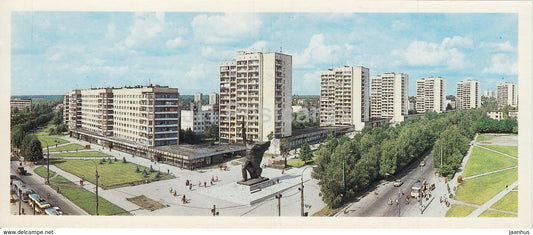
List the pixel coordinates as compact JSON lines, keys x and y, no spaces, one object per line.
{"x":422,"y":163}
{"x":397,"y":183}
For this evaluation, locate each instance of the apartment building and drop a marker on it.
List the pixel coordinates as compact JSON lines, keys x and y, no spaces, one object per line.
{"x":431,"y":94}
{"x":199,"y":118}
{"x":344,"y":97}
{"x":468,"y":94}
{"x":490,"y":94}
{"x":213,"y":98}
{"x":507,"y":94}
{"x":388,"y":96}
{"x":198,"y":97}
{"x":145,"y":115}
{"x":72,"y":109}
{"x":20,"y":104}
{"x":256,"y":87}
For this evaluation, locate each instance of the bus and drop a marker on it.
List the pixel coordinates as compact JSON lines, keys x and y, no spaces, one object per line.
{"x":19,"y":188}
{"x":53,"y":211}
{"x":38,"y":203}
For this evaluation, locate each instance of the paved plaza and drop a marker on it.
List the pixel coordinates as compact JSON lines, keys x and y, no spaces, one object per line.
{"x":230,"y":198}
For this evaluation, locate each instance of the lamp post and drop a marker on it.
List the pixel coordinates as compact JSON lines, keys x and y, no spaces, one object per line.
{"x":302,"y":213}
{"x":97,"y":176}
{"x":278,"y":196}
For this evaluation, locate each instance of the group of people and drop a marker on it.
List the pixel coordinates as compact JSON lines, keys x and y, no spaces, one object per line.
{"x":188,"y":182}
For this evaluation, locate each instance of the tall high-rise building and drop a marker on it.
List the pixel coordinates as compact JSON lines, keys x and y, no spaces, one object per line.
{"x":388,"y":96}
{"x":468,"y":94}
{"x":213,"y":98}
{"x":490,"y":94}
{"x":72,"y":109}
{"x":431,"y":94}
{"x":344,"y":97}
{"x":145,"y":115}
{"x":258,"y":88}
{"x":507,"y":94}
{"x":198,"y":97}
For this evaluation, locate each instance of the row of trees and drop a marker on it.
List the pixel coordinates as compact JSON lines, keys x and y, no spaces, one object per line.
{"x":346,"y":166}
{"x":302,"y":120}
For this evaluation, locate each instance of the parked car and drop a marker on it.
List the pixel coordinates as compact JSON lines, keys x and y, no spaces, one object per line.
{"x":422,"y":163}
{"x":397,"y":183}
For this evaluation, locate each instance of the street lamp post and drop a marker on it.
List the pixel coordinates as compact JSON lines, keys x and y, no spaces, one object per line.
{"x":48,"y":166}
{"x":278,"y":196}
{"x":302,"y":213}
{"x":97,"y":176}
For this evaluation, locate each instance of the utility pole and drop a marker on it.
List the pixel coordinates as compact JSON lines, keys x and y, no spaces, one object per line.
{"x":20,"y":206}
{"x":302,"y":197}
{"x":214,"y":211}
{"x":48,"y":165}
{"x":96,"y":210}
{"x":278,"y":196}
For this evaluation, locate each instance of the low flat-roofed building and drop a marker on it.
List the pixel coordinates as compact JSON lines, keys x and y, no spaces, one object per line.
{"x":21,"y":104}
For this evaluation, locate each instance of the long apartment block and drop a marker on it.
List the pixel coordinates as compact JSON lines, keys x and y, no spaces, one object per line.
{"x":145,"y":115}
{"x":256,"y":88}
{"x":388,"y":96}
{"x":344,"y":97}
{"x":468,"y":94}
{"x":431,"y":94}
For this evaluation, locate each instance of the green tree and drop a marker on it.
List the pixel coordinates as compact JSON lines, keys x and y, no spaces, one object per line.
{"x":305,"y":152}
{"x":34,"y":151}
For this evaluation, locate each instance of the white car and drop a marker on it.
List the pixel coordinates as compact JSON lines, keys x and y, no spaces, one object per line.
{"x":397,"y":183}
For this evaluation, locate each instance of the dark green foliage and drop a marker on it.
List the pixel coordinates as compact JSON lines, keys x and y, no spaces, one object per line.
{"x":123,"y":159}
{"x":144,"y":174}
{"x":487,"y":125}
{"x":305,"y":152}
{"x":137,"y":169}
{"x":158,"y":175}
{"x":378,"y":152}
{"x":33,"y":150}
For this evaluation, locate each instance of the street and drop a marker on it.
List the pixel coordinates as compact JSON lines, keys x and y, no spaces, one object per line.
{"x":36,"y":183}
{"x":374,"y":202}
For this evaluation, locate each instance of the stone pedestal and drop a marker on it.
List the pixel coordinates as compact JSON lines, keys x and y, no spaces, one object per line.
{"x":251,"y":182}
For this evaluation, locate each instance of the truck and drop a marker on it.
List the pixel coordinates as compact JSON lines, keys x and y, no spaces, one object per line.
{"x":415,"y":190}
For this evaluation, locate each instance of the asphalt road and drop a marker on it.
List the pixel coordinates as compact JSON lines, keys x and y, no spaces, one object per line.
{"x":35,"y":183}
{"x":374,"y":202}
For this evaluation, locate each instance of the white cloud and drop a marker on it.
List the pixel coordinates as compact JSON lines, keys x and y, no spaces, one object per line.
{"x":318,"y":52}
{"x":225,"y":28}
{"x":502,"y":64}
{"x":196,"y":72}
{"x":446,"y":53}
{"x":57,"y":56}
{"x":176,"y":42}
{"x":457,"y":41}
{"x":147,"y":32}
{"x":500,"y":47}
{"x":257,"y":46}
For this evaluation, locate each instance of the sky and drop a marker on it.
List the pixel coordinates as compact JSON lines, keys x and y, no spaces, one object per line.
{"x":55,"y":52}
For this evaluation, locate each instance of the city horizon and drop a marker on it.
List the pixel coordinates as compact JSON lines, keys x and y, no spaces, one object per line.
{"x":184,"y":50}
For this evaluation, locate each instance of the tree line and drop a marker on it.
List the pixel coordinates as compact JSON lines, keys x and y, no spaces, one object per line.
{"x":347,"y":166}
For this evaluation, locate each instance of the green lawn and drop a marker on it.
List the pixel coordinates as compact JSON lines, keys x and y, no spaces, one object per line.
{"x":61,"y":180}
{"x":481,"y":189}
{"x":69,"y":147}
{"x":295,"y":163}
{"x":86,"y":200}
{"x":42,"y":172}
{"x":46,"y":131}
{"x":459,"y":211}
{"x":82,"y":154}
{"x":112,"y":175}
{"x":489,"y":213}
{"x":510,"y":150}
{"x":484,"y":137}
{"x":483,"y":161}
{"x":50,"y":141}
{"x":507,"y":203}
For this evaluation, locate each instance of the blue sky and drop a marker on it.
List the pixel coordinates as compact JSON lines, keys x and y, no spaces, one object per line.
{"x":54,"y":52}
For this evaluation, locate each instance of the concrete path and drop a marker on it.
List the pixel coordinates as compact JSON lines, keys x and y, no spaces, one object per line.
{"x":488,"y":173}
{"x":489,"y":203}
{"x":481,"y":146}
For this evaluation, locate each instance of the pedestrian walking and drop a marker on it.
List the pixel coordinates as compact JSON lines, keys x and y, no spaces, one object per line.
{"x":190,"y":187}
{"x":205,"y":184}
{"x":216,"y":178}
{"x":199,"y":184}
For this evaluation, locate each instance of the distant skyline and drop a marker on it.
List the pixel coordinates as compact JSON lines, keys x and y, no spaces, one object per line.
{"x":55,"y":52}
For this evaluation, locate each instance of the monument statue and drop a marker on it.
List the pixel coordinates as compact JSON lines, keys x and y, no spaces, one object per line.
{"x":253,"y":158}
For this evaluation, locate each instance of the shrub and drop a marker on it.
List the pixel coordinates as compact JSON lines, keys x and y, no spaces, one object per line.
{"x":123,"y":159}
